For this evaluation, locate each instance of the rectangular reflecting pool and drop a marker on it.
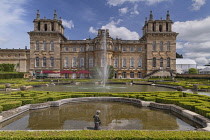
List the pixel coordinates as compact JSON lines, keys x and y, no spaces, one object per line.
{"x":114,"y":116}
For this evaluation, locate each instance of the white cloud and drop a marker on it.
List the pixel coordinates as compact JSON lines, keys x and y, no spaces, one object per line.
{"x":92,"y":30}
{"x":193,"y":39}
{"x":13,"y":27}
{"x":68,"y":24}
{"x":135,"y":11}
{"x":148,"y":2}
{"x":197,"y":4}
{"x":120,"y":32}
{"x":195,"y":31}
{"x":123,"y":10}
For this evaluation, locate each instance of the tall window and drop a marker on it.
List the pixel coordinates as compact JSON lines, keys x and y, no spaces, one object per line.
{"x":168,"y":62}
{"x":154,"y":62}
{"x":115,"y":62}
{"x":139,"y":75}
{"x":124,"y":74}
{"x":131,"y":62}
{"x":81,"y":62}
{"x":74,"y":62}
{"x":161,"y":62}
{"x":37,"y":62}
{"x":124,"y":49}
{"x":90,"y":62}
{"x":131,"y":74}
{"x":51,"y":46}
{"x":44,"y":62}
{"x":44,"y":46}
{"x":51,"y":62}
{"x":154,"y":46}
{"x":168,"y":46}
{"x":161,"y":46}
{"x":37,"y":46}
{"x":45,"y":27}
{"x":115,"y":48}
{"x":160,"y":28}
{"x":74,"y":49}
{"x":66,"y":62}
{"x":131,"y":49}
{"x":82,"y":49}
{"x":139,"y":62}
{"x":66,"y":49}
{"x":139,"y":49}
{"x":124,"y":62}
{"x":90,"y":48}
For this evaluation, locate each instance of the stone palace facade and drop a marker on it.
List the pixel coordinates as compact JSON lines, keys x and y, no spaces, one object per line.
{"x":152,"y":54}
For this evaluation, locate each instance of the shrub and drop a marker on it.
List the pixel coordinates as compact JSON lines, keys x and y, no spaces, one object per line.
{"x":1,"y":108}
{"x":11,"y":104}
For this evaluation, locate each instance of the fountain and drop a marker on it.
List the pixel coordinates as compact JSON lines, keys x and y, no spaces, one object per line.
{"x":103,"y":72}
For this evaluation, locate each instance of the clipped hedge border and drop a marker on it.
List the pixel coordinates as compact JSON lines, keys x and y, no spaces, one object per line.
{"x":105,"y":135}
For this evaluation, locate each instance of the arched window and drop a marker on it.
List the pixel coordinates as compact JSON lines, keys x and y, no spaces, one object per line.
{"x":131,"y":74}
{"x":168,"y":62}
{"x":154,"y":62}
{"x":37,"y":46}
{"x":139,"y":62}
{"x":74,"y":62}
{"x":44,"y":62}
{"x":168,"y":46}
{"x":154,"y":46}
{"x":66,"y":62}
{"x":51,"y":62}
{"x":124,"y":62}
{"x":161,"y":62}
{"x":115,"y":62}
{"x":37,"y":62}
{"x":44,"y":46}
{"x":132,"y":62}
{"x":161,"y":46}
{"x":51,"y":46}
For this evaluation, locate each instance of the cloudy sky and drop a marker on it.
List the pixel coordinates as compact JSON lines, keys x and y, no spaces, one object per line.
{"x":123,"y":18}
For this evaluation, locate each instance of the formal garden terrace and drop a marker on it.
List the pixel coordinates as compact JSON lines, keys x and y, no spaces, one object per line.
{"x":187,"y":107}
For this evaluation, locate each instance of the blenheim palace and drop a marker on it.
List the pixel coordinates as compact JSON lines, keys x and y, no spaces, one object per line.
{"x":153,"y":54}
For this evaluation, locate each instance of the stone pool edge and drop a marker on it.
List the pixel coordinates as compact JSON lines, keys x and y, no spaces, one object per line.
{"x":6,"y":115}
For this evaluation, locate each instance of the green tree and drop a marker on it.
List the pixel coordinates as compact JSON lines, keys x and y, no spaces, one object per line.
{"x":6,"y":67}
{"x":192,"y":71}
{"x":179,"y":55}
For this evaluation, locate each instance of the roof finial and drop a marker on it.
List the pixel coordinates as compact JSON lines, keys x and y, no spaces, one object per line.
{"x":145,"y":20}
{"x":37,"y":15}
{"x":151,"y":16}
{"x":168,"y":16}
{"x":55,"y":14}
